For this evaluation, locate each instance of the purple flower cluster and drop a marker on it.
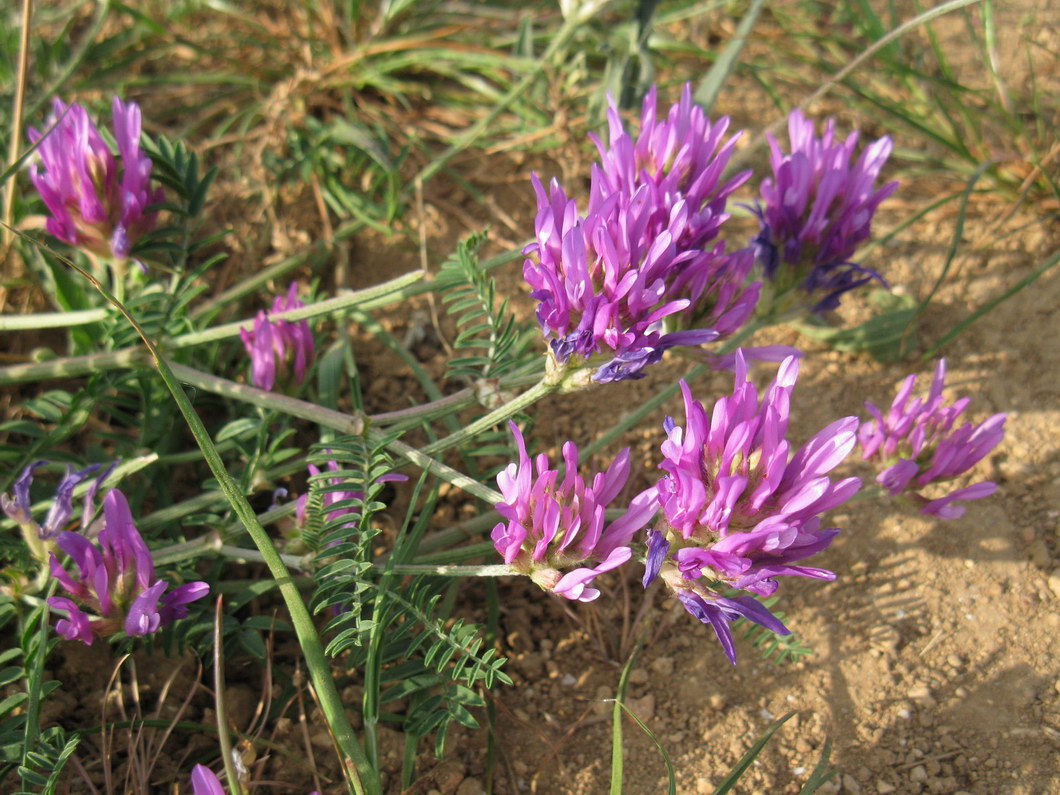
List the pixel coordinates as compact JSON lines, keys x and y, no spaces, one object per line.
{"x":94,"y":202}
{"x":739,"y":509}
{"x":918,"y":444}
{"x":643,"y":255}
{"x":819,"y":204}
{"x":275,"y":346}
{"x":555,"y":530}
{"x":115,"y":581}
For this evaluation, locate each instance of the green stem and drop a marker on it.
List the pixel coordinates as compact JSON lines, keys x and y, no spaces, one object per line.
{"x":345,"y":423}
{"x":80,"y":317}
{"x":497,"y":570}
{"x":446,"y":473}
{"x":327,"y":306}
{"x":487,"y":421}
{"x":331,"y":705}
{"x":71,"y":366}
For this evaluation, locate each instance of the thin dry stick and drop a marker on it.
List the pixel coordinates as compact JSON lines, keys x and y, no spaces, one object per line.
{"x":235,"y":786}
{"x":16,"y":122}
{"x":304,"y":724}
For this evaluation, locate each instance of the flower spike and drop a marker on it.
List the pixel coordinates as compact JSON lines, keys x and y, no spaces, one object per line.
{"x":918,"y":444}
{"x":739,"y":509}
{"x":277,"y":346}
{"x":555,"y":530}
{"x":819,"y":204}
{"x":619,"y":285}
{"x":115,"y":581}
{"x":95,"y":201}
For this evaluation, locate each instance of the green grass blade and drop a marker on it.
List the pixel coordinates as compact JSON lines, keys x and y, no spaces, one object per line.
{"x":751,"y":755}
{"x":822,"y":773}
{"x":708,"y":89}
{"x":989,"y":305}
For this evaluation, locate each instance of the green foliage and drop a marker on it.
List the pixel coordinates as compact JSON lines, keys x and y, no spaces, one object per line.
{"x":489,"y":341}
{"x":39,"y":755}
{"x":773,"y":647}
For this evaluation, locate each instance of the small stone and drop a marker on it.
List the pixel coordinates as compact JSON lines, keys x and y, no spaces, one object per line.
{"x":1054,"y":583}
{"x":802,"y":746}
{"x":918,"y":773}
{"x":704,"y":786}
{"x":1056,"y":686}
{"x":850,"y":784}
{"x":883,"y":788}
{"x":954,"y":661}
{"x":470,"y":786}
{"x":663,"y":666}
{"x":830,"y":787}
{"x":447,"y":776}
{"x":638,"y":676}
{"x":1039,"y":553}
{"x":716,"y":701}
{"x":920,"y":692}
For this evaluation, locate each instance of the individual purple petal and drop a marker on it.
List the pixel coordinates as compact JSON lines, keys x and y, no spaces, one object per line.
{"x":943,"y":507}
{"x":204,"y":782}
{"x":143,"y":617}
{"x":76,"y":625}
{"x":710,"y":614}
{"x":174,"y":603}
{"x":658,"y":548}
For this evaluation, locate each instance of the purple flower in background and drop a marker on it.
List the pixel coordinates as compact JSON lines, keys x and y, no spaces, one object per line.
{"x":336,"y":494}
{"x":277,"y":346}
{"x":738,"y":507}
{"x":616,"y":282}
{"x":115,"y":581}
{"x":819,"y":204}
{"x":555,"y":530}
{"x":205,"y":782}
{"x":96,"y":202}
{"x":918,"y":443}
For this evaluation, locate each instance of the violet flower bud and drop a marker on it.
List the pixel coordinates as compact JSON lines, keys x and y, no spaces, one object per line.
{"x":96,"y":202}
{"x":555,"y":530}
{"x":918,"y":444}
{"x":205,"y":782}
{"x":818,"y":210}
{"x":115,"y":581}
{"x":276,"y":347}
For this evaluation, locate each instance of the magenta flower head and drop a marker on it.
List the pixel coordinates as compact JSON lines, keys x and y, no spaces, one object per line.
{"x":276,"y":347}
{"x":115,"y":581}
{"x":613,"y":284}
{"x":555,"y":530}
{"x":819,"y":204}
{"x":97,"y":202}
{"x":918,"y":444}
{"x":740,"y":510}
